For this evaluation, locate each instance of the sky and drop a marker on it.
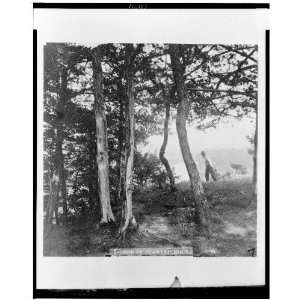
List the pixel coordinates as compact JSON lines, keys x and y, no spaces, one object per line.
{"x":227,"y":135}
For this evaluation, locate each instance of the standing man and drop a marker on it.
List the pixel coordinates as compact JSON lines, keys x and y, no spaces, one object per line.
{"x":209,"y":169}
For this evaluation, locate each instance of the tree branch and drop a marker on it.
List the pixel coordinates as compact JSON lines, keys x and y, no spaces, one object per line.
{"x":223,"y":91}
{"x":240,"y":52}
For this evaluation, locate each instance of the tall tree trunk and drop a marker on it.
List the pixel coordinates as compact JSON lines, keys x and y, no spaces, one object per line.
{"x":101,"y":138}
{"x":163,"y":148}
{"x":60,"y":110}
{"x":201,"y":206}
{"x":49,"y":202}
{"x":53,"y":198}
{"x":122,"y":158}
{"x":129,"y":218}
{"x":61,"y":171}
{"x":62,"y":167}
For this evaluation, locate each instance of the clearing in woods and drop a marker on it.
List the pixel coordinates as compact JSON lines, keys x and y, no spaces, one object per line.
{"x":166,"y":220}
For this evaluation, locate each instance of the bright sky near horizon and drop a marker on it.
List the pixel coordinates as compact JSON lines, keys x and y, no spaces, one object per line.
{"x":226,"y":135}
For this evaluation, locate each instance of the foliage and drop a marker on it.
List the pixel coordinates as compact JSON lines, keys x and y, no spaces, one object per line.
{"x":220,"y":82}
{"x":148,"y":170}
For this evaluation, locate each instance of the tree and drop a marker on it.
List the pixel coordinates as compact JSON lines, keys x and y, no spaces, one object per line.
{"x":143,"y":168}
{"x":232,"y":91}
{"x":101,"y":104}
{"x":60,"y":138}
{"x":52,"y":207}
{"x":115,"y":67}
{"x":182,"y":111}
{"x":163,"y":148}
{"x":222,"y":85}
{"x":148,"y":169}
{"x":127,"y":213}
{"x":56,"y":69}
{"x":101,"y":133}
{"x":160,"y":89}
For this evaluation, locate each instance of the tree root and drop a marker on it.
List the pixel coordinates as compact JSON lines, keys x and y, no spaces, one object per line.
{"x":130,"y":225}
{"x":105,"y":223}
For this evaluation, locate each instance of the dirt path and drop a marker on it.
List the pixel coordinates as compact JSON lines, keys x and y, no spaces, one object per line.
{"x":159,"y":230}
{"x":233,"y":233}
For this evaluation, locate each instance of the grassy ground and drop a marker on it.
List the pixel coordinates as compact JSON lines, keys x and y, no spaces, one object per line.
{"x":166,"y":219}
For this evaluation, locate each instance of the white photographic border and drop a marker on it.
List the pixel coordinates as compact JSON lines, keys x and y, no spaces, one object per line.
{"x":92,"y":27}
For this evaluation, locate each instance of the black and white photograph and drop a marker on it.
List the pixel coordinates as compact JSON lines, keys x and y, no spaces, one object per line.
{"x":151,"y":148}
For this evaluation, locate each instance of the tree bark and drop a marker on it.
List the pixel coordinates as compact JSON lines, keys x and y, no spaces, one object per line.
{"x":101,"y":138}
{"x":122,"y":158}
{"x":201,"y":206}
{"x":162,"y":157}
{"x":129,"y":219}
{"x":53,"y":198}
{"x":60,"y":111}
{"x":61,"y":172}
{"x":59,"y":156}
